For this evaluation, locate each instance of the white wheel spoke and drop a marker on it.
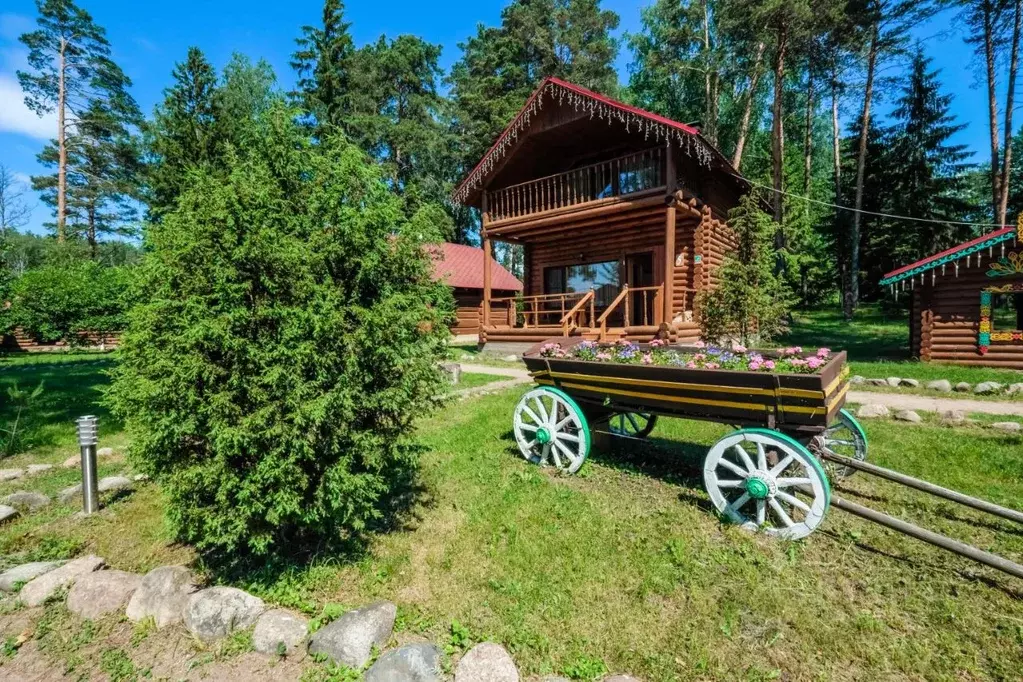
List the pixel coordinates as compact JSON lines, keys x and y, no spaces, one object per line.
{"x":731,"y":467}
{"x":568,"y":453}
{"x":730,"y":484}
{"x":561,"y":424}
{"x":744,"y":458}
{"x":532,"y":415}
{"x":782,"y":465}
{"x":761,"y":512}
{"x":761,"y":457}
{"x":542,"y":409}
{"x":734,"y":507}
{"x":835,"y":441}
{"x":553,"y":451}
{"x":567,"y":436}
{"x":790,"y":482}
{"x":779,"y":511}
{"x":793,"y":500}
{"x":528,"y":427}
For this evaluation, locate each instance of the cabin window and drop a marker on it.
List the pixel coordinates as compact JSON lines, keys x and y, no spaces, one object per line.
{"x":1007,"y":312}
{"x":604,"y":278}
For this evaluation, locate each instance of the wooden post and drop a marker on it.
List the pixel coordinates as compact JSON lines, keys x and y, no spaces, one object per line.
{"x":669,"y":238}
{"x":486,"y":262}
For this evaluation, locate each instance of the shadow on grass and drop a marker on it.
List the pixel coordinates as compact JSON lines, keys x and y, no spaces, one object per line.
{"x":70,"y":390}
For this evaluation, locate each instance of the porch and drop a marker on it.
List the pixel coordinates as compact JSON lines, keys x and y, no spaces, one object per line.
{"x":609,"y":253}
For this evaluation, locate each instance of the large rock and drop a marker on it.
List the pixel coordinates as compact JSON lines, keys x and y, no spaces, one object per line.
{"x":452,"y":370}
{"x":1014,"y":389}
{"x":11,"y":474}
{"x":1007,"y":426}
{"x":963,"y":387}
{"x":511,"y":358}
{"x":67,"y":495}
{"x":7,"y":513}
{"x":39,"y":589}
{"x":350,"y":639}
{"x":97,"y":594}
{"x":26,"y":500}
{"x":105,"y":452}
{"x":855,"y":380}
{"x":218,"y":611}
{"x":279,"y":632}
{"x":72,"y":462}
{"x":893,"y":381}
{"x":13,"y":578}
{"x":908,"y":416}
{"x":410,"y":663}
{"x":909,"y":383}
{"x":877,"y":382}
{"x":162,"y":596}
{"x":486,"y":662}
{"x":987,"y":388}
{"x":940,"y":385}
{"x":38,"y":468}
{"x":113,"y":483}
{"x":873,"y":410}
{"x":952,"y":417}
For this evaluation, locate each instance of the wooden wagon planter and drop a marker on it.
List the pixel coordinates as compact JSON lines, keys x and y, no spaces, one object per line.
{"x":767,"y":475}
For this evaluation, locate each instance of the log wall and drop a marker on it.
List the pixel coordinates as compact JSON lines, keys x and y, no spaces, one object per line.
{"x":20,"y":342}
{"x":945,"y":316}
{"x":467,"y":309}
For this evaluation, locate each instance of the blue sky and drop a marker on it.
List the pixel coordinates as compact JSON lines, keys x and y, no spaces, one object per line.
{"x":148,"y":38}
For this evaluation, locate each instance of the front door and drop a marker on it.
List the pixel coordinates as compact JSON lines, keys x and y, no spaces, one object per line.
{"x":639,"y":272}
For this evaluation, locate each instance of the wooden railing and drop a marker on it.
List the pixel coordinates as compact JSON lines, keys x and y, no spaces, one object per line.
{"x":613,"y":178}
{"x":649,"y":315}
{"x":544,"y":310}
{"x":570,"y":320}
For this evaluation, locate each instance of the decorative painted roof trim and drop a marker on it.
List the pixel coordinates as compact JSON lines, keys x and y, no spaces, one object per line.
{"x":955,"y":253}
{"x":687,"y":137}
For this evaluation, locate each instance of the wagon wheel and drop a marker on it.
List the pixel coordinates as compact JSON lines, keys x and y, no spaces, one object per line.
{"x":632,"y":424}
{"x":844,"y":437}
{"x":787,"y":499}
{"x":550,"y":428}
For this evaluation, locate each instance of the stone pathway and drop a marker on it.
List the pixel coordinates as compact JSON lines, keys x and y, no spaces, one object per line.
{"x":899,"y":401}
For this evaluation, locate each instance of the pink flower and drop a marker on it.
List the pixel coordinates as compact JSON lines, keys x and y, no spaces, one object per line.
{"x":690,"y":365}
{"x":603,"y":355}
{"x":754,"y":366}
{"x":813,"y":363}
{"x":738,"y":348}
{"x":648,"y":359}
{"x":768,"y":364}
{"x":711,"y":365}
{"x":658,"y":342}
{"x":699,"y":344}
{"x":823,"y":352}
{"x":797,"y":362}
{"x":699,"y":356}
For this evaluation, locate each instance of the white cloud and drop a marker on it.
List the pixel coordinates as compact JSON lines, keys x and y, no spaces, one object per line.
{"x":23,"y":178}
{"x":15,"y":117}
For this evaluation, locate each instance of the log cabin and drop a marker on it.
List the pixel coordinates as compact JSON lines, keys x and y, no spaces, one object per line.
{"x":621,"y":214}
{"x":966,"y":303}
{"x":461,"y":268}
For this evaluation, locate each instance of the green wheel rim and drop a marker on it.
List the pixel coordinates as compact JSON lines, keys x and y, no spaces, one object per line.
{"x":550,"y":428}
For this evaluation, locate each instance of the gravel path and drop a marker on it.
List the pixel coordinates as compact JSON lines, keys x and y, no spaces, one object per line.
{"x":902,"y":401}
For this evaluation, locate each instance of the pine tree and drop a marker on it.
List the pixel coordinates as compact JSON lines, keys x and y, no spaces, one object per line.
{"x":71,"y":73}
{"x":927,"y":173}
{"x":751,"y":303}
{"x":182,"y":133}
{"x":324,"y":66}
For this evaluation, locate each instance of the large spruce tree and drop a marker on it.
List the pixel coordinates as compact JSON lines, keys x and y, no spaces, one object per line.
{"x":324,"y":64}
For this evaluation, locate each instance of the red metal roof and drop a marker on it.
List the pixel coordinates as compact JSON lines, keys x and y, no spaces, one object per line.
{"x":627,"y":108}
{"x":947,"y":255}
{"x":458,"y":265}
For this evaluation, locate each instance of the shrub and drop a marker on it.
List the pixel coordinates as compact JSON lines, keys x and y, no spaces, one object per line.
{"x":57,"y":302}
{"x":289,"y":338}
{"x":750,"y":304}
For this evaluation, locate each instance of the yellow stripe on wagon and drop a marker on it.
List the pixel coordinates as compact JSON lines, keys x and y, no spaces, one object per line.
{"x":786,"y":392}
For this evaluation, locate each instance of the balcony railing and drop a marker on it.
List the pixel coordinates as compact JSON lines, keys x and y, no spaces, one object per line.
{"x":618,"y":177}
{"x":636,"y":308}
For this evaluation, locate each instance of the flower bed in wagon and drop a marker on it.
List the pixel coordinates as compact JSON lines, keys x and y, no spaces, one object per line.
{"x":784,"y":387}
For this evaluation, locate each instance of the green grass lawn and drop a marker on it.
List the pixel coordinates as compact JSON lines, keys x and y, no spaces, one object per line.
{"x":623,"y":567}
{"x":878,"y":347}
{"x":475,"y":380}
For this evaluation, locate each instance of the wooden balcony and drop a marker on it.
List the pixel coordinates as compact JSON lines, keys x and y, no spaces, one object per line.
{"x":637,"y":173}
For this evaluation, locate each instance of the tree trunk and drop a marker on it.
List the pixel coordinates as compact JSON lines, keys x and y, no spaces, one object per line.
{"x":992,"y":101}
{"x":91,"y":230}
{"x":836,"y":142}
{"x":61,"y":147}
{"x":852,"y":297}
{"x":747,"y":110}
{"x":710,"y":82}
{"x":1003,"y":203}
{"x":778,"y":141}
{"x":808,"y":139}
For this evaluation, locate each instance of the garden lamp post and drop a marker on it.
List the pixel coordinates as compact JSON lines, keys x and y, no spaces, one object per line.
{"x":87,"y":439}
